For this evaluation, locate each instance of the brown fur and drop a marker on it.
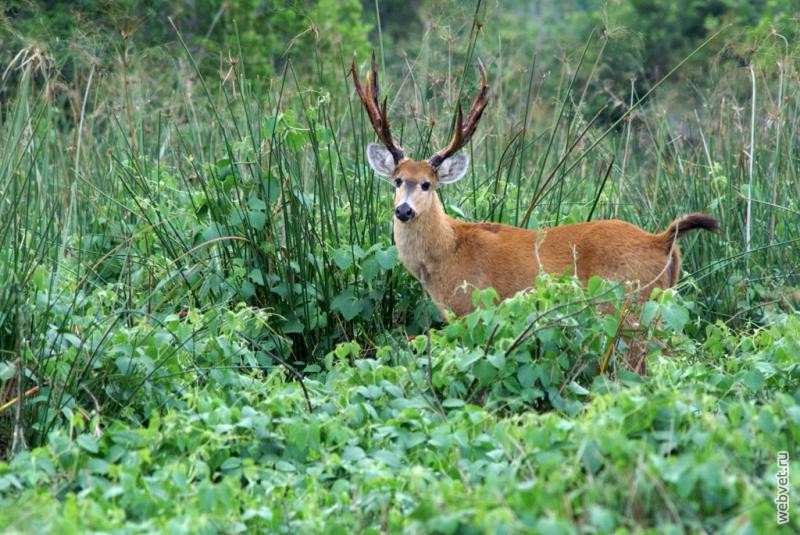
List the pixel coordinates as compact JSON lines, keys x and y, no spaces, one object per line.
{"x":451,"y":257}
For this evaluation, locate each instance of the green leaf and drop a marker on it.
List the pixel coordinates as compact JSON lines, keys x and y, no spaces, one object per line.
{"x":270,"y":125}
{"x":484,"y":372}
{"x":754,"y":380}
{"x":343,"y":258}
{"x":592,"y":457}
{"x":224,"y":168}
{"x":7,"y":370}
{"x":40,"y":277}
{"x":610,"y":325}
{"x":766,"y":421}
{"x":210,"y":233}
{"x":387,"y":258}
{"x":256,"y":276}
{"x":370,"y":269}
{"x":353,"y":453}
{"x":88,"y":443}
{"x":255,"y":203}
{"x":293,"y":325}
{"x":578,"y":389}
{"x":602,"y":518}
{"x":206,"y":496}
{"x":285,"y":466}
{"x":675,"y":316}
{"x":464,"y":360}
{"x":594,"y":284}
{"x":230,"y":464}
{"x":256,"y":219}
{"x":546,"y":336}
{"x":295,"y":139}
{"x":347,"y":304}
{"x":497,"y":360}
{"x":526,"y":374}
{"x":552,"y":526}
{"x":649,"y":311}
{"x":794,"y":413}
{"x":388,"y":458}
{"x":271,"y":188}
{"x":97,"y":466}
{"x":73,"y":340}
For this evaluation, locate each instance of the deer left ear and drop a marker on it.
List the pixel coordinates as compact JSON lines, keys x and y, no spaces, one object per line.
{"x":453,"y":169}
{"x":381,"y":160}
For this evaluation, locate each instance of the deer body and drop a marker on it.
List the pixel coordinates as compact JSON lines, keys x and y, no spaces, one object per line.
{"x":451,"y":257}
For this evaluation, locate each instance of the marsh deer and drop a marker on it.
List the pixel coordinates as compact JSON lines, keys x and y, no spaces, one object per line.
{"x":451,"y":257}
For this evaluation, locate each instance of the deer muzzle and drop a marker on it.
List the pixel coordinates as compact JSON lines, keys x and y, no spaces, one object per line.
{"x":404,"y":212}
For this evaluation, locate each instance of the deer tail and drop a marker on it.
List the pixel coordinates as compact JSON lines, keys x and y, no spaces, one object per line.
{"x":685,"y":225}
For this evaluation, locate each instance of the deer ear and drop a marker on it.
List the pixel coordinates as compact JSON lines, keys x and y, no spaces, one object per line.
{"x":381,"y":160}
{"x":453,"y":169}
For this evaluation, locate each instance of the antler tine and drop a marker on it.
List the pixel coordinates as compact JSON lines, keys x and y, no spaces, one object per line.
{"x":373,"y":78}
{"x":369,"y":96}
{"x":462,"y":133}
{"x":458,"y":132}
{"x":479,"y":104}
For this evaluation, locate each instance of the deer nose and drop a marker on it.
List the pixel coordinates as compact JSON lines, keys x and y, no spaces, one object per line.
{"x":404,"y":212}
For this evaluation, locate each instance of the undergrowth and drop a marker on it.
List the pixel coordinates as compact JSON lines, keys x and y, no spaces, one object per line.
{"x":373,"y":444}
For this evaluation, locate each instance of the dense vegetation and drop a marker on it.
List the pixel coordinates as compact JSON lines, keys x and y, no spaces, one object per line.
{"x":204,"y":325}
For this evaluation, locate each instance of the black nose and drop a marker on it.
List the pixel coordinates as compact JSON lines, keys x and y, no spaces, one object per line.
{"x":404,"y":212}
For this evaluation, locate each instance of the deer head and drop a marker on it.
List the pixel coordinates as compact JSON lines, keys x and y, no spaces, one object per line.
{"x":415,"y":181}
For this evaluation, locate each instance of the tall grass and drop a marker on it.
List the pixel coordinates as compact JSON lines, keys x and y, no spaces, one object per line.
{"x":166,"y":193}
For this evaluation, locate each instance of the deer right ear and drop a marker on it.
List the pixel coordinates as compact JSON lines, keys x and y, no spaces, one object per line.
{"x":381,"y":160}
{"x":453,"y":169}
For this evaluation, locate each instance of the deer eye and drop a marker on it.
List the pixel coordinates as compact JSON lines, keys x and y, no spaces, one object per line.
{"x":426,"y":186}
{"x":398,"y":182}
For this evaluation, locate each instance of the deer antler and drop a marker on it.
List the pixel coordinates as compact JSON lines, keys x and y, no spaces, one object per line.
{"x":463,"y":132}
{"x":376,"y":112}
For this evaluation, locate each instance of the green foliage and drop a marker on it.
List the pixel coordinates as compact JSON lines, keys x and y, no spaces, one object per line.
{"x":539,"y":350}
{"x":262,"y":35}
{"x":633,"y":44}
{"x":691,"y":448}
{"x":304,"y":32}
{"x":204,"y":325}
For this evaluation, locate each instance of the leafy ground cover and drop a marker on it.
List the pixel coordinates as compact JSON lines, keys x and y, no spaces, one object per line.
{"x":393,"y":441}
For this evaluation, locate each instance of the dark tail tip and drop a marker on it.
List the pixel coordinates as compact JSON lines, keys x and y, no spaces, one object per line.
{"x":686,"y":224}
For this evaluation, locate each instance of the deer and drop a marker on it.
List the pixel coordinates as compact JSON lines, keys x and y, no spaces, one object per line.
{"x":450,"y":257}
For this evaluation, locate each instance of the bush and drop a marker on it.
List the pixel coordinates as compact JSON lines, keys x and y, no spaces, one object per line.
{"x":692,"y":448}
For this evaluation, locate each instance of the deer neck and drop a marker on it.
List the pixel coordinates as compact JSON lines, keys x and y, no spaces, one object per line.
{"x":426,"y":241}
